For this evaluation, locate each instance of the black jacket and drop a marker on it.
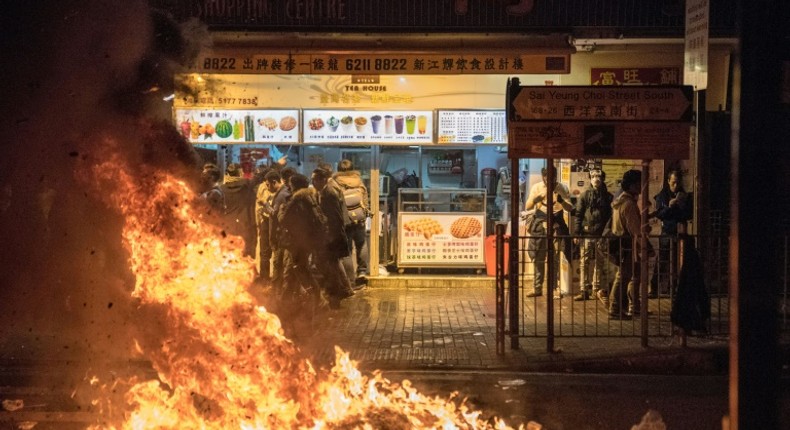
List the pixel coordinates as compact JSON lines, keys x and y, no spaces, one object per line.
{"x":593,"y":210}
{"x":302,"y":223}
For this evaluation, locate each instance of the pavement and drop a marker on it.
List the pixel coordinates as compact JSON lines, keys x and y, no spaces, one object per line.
{"x":453,"y":328}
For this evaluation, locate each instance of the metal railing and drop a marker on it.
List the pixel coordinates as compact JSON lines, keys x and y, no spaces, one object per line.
{"x":522,"y":316}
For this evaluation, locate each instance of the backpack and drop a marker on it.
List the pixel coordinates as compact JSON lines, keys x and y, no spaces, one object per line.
{"x":355,"y":203}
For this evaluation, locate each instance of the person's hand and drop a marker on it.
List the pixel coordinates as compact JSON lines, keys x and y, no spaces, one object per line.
{"x":575,"y":240}
{"x":283,"y":160}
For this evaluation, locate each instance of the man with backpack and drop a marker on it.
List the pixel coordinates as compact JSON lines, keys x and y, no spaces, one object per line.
{"x":355,"y":195}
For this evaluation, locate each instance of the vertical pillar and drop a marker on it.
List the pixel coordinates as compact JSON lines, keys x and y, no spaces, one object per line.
{"x":759,"y":151}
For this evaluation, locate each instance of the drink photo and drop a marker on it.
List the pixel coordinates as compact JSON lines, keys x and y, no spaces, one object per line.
{"x":410,"y":120}
{"x":422,"y":123}
{"x":398,"y":124}
{"x":389,"y":126}
{"x":375,"y":122}
{"x":360,"y":122}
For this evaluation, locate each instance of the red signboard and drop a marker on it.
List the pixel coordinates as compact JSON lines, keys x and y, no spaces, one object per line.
{"x":635,"y":76}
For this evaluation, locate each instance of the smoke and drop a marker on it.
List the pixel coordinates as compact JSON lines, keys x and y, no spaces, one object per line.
{"x":84,"y":73}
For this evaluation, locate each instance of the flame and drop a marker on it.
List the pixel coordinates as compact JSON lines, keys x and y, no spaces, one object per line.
{"x":222,"y":359}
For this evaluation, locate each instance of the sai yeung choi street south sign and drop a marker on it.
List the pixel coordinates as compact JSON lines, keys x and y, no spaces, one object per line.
{"x":633,"y":122}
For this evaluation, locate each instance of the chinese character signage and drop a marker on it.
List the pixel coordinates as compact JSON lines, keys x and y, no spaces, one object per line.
{"x":472,"y":126}
{"x":584,"y":103}
{"x":611,"y":122}
{"x":695,"y":55}
{"x":223,"y":126}
{"x":381,"y":64}
{"x":627,"y":140}
{"x":327,"y":126}
{"x":635,"y":76}
{"x":433,"y":239}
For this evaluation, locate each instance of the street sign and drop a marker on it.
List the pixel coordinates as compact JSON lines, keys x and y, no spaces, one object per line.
{"x":605,"y":140}
{"x":596,"y":103}
{"x":633,"y":122}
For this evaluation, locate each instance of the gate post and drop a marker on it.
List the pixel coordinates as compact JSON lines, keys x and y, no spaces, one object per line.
{"x":500,"y":288}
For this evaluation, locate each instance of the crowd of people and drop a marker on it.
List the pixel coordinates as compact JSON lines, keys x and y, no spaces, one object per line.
{"x":299,"y":230}
{"x":596,"y":215}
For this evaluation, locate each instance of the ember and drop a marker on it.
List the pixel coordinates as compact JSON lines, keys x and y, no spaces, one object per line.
{"x":222,"y":359}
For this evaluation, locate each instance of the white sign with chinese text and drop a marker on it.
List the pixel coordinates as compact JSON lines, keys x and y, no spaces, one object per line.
{"x":695,"y":58}
{"x":441,"y":239}
{"x":472,"y":126}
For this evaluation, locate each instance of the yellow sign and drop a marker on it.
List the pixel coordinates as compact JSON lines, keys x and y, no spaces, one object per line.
{"x":377,"y":64}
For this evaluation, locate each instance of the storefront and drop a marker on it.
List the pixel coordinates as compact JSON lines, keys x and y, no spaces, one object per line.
{"x":429,"y":105}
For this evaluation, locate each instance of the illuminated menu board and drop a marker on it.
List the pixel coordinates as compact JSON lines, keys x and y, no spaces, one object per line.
{"x":333,"y":126}
{"x":224,"y":126}
{"x":472,"y":126}
{"x":434,"y":239}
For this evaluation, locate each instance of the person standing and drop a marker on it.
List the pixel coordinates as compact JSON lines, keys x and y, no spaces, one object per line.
{"x":329,"y":256}
{"x":593,"y":210}
{"x":239,"y":208}
{"x":212,"y":193}
{"x":538,"y":248}
{"x":626,"y":224}
{"x":356,"y":197}
{"x":263,"y":210}
{"x":280,"y":257}
{"x":303,"y":231}
{"x":674,"y":208}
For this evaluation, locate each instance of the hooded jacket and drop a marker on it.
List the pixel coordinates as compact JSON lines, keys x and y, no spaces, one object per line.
{"x":625,"y":216}
{"x":593,"y":210}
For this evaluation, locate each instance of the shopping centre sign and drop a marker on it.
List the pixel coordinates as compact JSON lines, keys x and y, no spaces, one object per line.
{"x":633,"y":122}
{"x":251,"y":62}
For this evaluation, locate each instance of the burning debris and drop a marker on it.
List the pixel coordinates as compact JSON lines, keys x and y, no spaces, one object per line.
{"x":96,"y":168}
{"x":221,"y":358}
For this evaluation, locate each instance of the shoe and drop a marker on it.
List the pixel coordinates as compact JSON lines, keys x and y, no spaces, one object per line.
{"x":603,"y":296}
{"x":535,"y":294}
{"x":620,"y":317}
{"x":558,"y":296}
{"x":584,"y":295}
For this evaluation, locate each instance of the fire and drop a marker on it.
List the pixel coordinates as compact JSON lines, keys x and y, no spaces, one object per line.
{"x":222,"y":359}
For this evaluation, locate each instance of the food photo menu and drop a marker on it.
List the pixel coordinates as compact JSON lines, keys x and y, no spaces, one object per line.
{"x":222,"y":126}
{"x":323,"y":126}
{"x":472,"y":126}
{"x":431,"y":239}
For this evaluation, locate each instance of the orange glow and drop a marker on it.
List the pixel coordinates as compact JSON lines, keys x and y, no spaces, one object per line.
{"x":223,"y":361}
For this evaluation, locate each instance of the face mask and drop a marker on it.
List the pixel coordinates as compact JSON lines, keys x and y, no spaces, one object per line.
{"x":596,"y":181}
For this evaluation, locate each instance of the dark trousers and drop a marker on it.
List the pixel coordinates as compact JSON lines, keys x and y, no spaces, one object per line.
{"x":264,"y":265}
{"x":280,"y":260}
{"x":334,"y":282}
{"x":357,"y":238}
{"x":663,"y":263}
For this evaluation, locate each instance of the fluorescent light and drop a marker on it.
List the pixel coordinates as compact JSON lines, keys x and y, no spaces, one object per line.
{"x":168,"y":98}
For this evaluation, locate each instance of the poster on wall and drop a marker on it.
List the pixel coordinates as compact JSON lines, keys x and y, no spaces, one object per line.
{"x":433,"y":239}
{"x":367,"y":126}
{"x":472,"y":126}
{"x":227,"y":126}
